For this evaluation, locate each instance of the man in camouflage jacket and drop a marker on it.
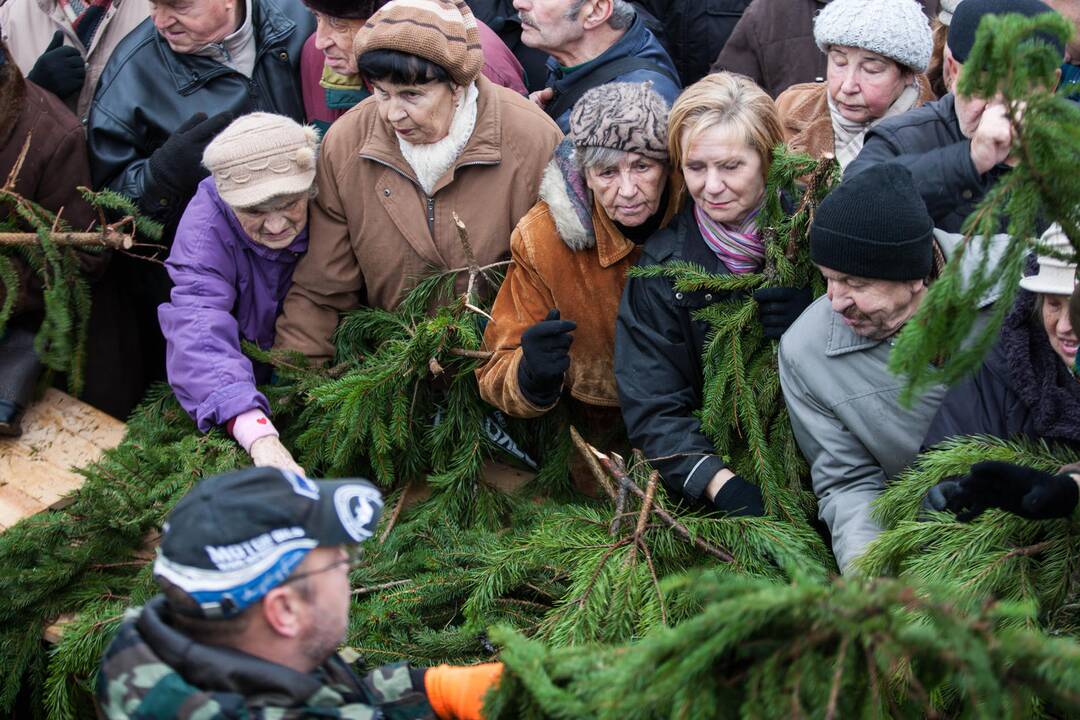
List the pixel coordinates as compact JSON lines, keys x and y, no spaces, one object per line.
{"x":254,"y":568}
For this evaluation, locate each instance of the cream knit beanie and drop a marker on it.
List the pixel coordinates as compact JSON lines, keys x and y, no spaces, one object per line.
{"x":261,"y":156}
{"x":441,"y":31}
{"x":897,"y":29}
{"x":948,"y":7}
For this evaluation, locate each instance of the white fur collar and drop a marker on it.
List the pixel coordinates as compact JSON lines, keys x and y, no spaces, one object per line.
{"x":430,"y":161}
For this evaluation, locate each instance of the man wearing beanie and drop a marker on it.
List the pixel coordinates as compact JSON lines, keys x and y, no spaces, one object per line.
{"x":876,"y":245}
{"x":330,"y":80}
{"x":957,"y":147}
{"x":254,"y":571}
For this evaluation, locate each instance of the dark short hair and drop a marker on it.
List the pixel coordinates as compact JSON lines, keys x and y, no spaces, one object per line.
{"x":400,"y":67}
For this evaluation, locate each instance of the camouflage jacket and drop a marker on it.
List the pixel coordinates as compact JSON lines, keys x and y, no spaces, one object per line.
{"x":152,"y":671}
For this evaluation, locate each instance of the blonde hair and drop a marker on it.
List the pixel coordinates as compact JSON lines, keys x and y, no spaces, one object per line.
{"x":728,"y":100}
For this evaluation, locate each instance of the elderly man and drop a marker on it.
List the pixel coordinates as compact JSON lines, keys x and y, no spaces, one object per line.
{"x":254,"y":568}
{"x":63,"y":45}
{"x":592,"y":42}
{"x":875,"y":243}
{"x":178,"y":79}
{"x":956,"y":147}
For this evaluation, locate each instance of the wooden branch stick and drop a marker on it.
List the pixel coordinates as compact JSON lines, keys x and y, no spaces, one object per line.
{"x":587,"y":455}
{"x":377,"y":588}
{"x":474,"y":354}
{"x":13,"y":176}
{"x":109,"y":239}
{"x":643,"y":516}
{"x":624,"y":480}
{"x":838,"y":676}
{"x":394,"y":515}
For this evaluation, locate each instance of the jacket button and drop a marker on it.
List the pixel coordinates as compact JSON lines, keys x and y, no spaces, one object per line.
{"x":966,"y":194}
{"x":678,"y":296}
{"x":708,"y":297}
{"x":163,"y":202}
{"x":283,"y":55}
{"x":386,"y":192}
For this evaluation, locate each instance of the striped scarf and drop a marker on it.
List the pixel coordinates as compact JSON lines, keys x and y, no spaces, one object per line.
{"x":739,"y":247}
{"x":85,"y":16}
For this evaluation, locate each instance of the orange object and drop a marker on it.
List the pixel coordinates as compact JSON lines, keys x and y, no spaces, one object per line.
{"x":457,"y":693}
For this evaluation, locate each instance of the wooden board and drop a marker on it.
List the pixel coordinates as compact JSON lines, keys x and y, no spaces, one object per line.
{"x":36,"y":470}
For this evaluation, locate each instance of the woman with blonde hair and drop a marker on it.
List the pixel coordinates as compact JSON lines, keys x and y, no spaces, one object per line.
{"x":721,"y":135}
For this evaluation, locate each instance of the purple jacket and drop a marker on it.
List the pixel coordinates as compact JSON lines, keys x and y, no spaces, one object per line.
{"x":227,"y":288}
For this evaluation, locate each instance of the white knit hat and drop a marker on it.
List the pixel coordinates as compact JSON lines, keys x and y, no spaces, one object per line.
{"x":948,"y":7}
{"x":1055,"y":277}
{"x":897,"y":29}
{"x":261,"y":156}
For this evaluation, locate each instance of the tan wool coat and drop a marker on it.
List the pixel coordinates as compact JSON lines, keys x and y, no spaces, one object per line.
{"x":804,"y":114}
{"x":585,"y":284}
{"x":370,"y":234}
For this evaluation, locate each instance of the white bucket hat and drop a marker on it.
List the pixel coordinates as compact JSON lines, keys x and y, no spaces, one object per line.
{"x":1055,"y":277}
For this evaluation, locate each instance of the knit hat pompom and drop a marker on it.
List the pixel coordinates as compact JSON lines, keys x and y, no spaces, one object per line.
{"x":968,"y":14}
{"x":897,"y":29}
{"x":875,"y":225}
{"x":631,"y":117}
{"x":260,"y":156}
{"x":440,"y":31}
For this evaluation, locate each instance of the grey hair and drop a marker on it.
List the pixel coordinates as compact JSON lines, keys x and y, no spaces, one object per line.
{"x":597,"y":157}
{"x":622,"y":13}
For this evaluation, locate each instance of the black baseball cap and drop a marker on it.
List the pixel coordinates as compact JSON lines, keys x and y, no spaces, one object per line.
{"x":235,"y":537}
{"x":968,"y":14}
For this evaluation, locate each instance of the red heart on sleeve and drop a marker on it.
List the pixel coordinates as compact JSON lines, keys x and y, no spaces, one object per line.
{"x":262,"y":421}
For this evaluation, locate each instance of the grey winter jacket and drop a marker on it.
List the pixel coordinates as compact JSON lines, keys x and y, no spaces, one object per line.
{"x":846,"y":415}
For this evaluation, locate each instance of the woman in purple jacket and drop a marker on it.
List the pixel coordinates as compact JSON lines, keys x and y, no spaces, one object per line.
{"x":232,"y":263}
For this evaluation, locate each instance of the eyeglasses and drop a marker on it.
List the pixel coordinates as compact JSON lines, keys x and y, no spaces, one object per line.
{"x":354,"y":553}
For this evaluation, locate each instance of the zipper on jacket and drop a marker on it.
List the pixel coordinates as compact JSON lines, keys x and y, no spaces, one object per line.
{"x":431,"y":217}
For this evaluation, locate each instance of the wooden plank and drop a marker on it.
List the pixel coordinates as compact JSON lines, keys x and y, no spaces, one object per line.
{"x":36,"y":470}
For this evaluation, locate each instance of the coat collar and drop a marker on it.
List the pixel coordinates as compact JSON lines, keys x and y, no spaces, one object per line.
{"x":191,"y":72}
{"x":483,"y":147}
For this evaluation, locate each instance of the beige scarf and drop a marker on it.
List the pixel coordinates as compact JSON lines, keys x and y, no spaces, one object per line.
{"x":848,"y":136}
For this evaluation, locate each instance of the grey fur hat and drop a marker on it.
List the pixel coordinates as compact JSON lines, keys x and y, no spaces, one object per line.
{"x":622,"y":116}
{"x":897,"y":29}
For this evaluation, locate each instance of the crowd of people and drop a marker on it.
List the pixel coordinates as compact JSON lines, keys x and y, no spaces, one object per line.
{"x":309,"y":157}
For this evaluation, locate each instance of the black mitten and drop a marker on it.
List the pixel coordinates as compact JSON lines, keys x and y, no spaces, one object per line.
{"x":1023,"y":491}
{"x":739,"y":498}
{"x":60,"y":69}
{"x":779,"y":307}
{"x":177,"y":164}
{"x":545,"y":349}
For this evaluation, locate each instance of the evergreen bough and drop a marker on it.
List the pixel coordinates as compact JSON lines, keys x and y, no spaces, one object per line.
{"x":942,"y":342}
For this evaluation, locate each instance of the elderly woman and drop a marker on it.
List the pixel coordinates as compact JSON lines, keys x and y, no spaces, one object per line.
{"x":605,"y":191}
{"x":876,"y":51}
{"x":435,"y":139}
{"x":721,"y":133}
{"x":231,"y":263}
{"x":1027,"y":386}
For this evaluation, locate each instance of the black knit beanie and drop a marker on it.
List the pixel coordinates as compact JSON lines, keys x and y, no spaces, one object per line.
{"x":346,"y":9}
{"x":875,"y":225}
{"x":966,"y":17}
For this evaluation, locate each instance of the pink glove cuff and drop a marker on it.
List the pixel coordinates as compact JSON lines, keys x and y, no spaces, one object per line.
{"x":247,"y":427}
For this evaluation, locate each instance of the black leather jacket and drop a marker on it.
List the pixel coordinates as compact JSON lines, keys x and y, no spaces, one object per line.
{"x":146,"y":91}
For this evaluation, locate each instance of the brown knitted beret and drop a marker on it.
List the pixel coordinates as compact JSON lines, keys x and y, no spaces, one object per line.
{"x":622,"y":116}
{"x":441,"y":31}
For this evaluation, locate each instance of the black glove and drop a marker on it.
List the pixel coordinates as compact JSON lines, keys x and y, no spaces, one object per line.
{"x":779,"y":307}
{"x":177,"y":165}
{"x":738,"y":498}
{"x":60,"y":69}
{"x":1029,"y":493}
{"x":545,"y":349}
